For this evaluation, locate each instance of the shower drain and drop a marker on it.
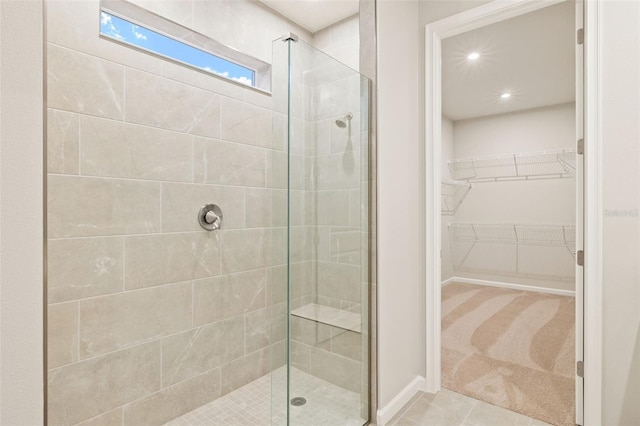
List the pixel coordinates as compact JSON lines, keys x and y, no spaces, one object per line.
{"x":298,"y":401}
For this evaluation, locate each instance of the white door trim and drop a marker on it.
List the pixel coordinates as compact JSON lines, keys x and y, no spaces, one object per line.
{"x":593,"y":207}
{"x":475,"y":18}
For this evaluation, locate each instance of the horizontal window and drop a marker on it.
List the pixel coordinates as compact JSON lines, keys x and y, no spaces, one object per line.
{"x":131,"y":32}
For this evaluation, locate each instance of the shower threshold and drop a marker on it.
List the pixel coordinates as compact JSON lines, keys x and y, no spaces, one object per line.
{"x":262,"y":403}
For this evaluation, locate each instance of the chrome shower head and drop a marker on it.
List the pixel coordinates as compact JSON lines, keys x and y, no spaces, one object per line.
{"x":342,"y":121}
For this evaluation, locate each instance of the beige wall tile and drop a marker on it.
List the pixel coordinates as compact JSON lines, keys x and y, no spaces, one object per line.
{"x":182,"y":202}
{"x":62,"y":334}
{"x":122,"y":320}
{"x":62,"y":142}
{"x":346,"y":343}
{"x":336,"y":369}
{"x":174,"y":401}
{"x":80,"y":206}
{"x":228,"y":295}
{"x":359,"y":207}
{"x":345,"y":245}
{"x":83,"y":34}
{"x":277,"y":247}
{"x":297,"y":176}
{"x":180,"y":11}
{"x":301,"y":243}
{"x":301,"y":206}
{"x":244,"y":250}
{"x":277,"y":169}
{"x":338,"y":171}
{"x":264,"y":327}
{"x":168,"y":258}
{"x":184,"y":108}
{"x":276,"y":285}
{"x":111,"y":148}
{"x":228,"y":163}
{"x":302,"y":279}
{"x":85,"y":267}
{"x":243,"y":370}
{"x":83,"y":390}
{"x":339,"y":281}
{"x":332,"y":208}
{"x":300,"y":355}
{"x":259,"y":206}
{"x":111,"y":418}
{"x":82,"y":83}
{"x":312,"y":333}
{"x":245,"y":123}
{"x":248,"y":26}
{"x":189,"y":354}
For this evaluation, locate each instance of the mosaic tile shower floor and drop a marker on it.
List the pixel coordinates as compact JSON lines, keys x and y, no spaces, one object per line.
{"x":251,"y":405}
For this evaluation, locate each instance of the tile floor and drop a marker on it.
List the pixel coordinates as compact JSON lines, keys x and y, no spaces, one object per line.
{"x":251,"y":405}
{"x":447,"y":408}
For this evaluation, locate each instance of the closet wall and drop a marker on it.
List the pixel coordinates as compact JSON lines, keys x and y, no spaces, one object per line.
{"x":540,"y":201}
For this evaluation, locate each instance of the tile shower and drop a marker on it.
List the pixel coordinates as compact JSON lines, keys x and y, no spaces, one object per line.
{"x":151,"y":317}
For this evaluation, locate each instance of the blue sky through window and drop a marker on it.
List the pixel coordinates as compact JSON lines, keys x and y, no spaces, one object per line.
{"x":136,"y":35}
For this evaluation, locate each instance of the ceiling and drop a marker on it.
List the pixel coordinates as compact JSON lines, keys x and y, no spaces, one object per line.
{"x":530,"y":56}
{"x":314,"y":15}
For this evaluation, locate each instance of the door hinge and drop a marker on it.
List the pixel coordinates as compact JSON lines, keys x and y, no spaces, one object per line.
{"x":580,"y":36}
{"x":580,"y":368}
{"x":580,"y":257}
{"x":580,"y":149}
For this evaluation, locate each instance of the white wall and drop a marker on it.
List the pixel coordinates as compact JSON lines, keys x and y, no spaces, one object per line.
{"x":399,"y":321}
{"x":620,"y":67}
{"x":21,"y":213}
{"x":547,"y":201}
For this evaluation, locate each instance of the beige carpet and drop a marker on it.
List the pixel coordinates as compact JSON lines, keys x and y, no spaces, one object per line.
{"x":510,"y":348}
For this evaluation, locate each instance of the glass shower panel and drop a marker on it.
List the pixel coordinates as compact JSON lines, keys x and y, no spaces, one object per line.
{"x":325,"y":106}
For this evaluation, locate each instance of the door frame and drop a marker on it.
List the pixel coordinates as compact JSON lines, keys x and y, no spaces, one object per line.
{"x":481,"y":16}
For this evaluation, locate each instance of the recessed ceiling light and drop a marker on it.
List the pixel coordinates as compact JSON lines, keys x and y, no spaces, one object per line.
{"x":473,"y":56}
{"x":505,"y":95}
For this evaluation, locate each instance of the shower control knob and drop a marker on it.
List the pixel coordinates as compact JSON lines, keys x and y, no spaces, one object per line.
{"x":210,"y":217}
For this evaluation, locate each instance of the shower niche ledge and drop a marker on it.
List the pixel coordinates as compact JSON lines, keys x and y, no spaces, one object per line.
{"x":330,"y":316}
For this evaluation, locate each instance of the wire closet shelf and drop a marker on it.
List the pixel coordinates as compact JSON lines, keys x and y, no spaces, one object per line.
{"x":523,"y":166}
{"x":453,"y":194}
{"x":514,"y":248}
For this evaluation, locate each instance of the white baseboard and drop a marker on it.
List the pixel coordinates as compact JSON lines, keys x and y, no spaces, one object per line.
{"x":449,"y":281}
{"x":394,"y":406}
{"x":510,"y":285}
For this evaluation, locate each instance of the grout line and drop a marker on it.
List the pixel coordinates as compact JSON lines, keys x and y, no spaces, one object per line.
{"x":124,"y":264}
{"x":79,"y":146}
{"x":78,"y":325}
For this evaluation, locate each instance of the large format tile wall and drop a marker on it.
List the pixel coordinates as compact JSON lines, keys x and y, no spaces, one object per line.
{"x":150,"y":316}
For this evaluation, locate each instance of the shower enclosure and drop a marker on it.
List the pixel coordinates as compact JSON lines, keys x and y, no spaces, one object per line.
{"x":323,"y":107}
{"x":207,"y":242}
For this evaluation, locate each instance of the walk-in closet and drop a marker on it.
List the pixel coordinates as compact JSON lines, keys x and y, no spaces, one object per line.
{"x":508,"y":205}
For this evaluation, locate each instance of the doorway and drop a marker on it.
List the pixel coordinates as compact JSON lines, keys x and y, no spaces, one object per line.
{"x":509,"y":185}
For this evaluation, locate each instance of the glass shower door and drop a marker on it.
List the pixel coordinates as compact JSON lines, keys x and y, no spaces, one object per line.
{"x":321,"y":116}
